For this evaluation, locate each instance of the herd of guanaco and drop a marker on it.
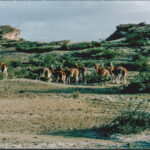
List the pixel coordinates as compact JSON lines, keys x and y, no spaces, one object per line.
{"x":116,"y":73}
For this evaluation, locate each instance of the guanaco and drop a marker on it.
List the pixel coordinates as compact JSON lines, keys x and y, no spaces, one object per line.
{"x":62,"y":76}
{"x":48,"y":74}
{"x":41,"y":71}
{"x":82,"y":73}
{"x":117,"y":73}
{"x":102,"y":71}
{"x":4,"y":68}
{"x":55,"y":72}
{"x":70,"y":73}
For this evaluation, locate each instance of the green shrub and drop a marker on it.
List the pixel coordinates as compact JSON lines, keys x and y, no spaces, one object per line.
{"x":89,"y":63}
{"x":81,"y":45}
{"x":15,"y":63}
{"x":110,"y":54}
{"x":95,"y":44}
{"x":42,"y":60}
{"x":141,"y":83}
{"x":90,"y":53}
{"x":136,"y":39}
{"x":33,"y":47}
{"x":1,"y":76}
{"x":94,"y":78}
{"x":141,"y":62}
{"x":69,"y":62}
{"x":76,"y":94}
{"x":128,"y":122}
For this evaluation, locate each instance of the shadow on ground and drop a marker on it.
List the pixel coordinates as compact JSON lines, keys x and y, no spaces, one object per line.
{"x":82,"y":90}
{"x":96,"y":133}
{"x":127,"y":123}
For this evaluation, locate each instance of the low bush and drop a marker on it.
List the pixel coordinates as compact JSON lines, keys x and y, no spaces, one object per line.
{"x":95,"y":78}
{"x":33,"y":47}
{"x":109,"y":54}
{"x":76,"y":95}
{"x":136,"y":39}
{"x":128,"y":122}
{"x":90,"y":53}
{"x":140,"y":84}
{"x":15,"y":63}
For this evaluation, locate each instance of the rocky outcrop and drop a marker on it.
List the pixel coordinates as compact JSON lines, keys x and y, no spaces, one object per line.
{"x":8,"y":32}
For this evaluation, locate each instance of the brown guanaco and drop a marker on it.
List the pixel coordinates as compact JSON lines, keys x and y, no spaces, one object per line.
{"x":70,"y":73}
{"x":82,"y":72}
{"x":102,"y":71}
{"x":41,"y":71}
{"x":117,"y":73}
{"x":4,"y":69}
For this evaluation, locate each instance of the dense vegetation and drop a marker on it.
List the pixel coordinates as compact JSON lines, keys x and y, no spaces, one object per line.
{"x":128,"y":46}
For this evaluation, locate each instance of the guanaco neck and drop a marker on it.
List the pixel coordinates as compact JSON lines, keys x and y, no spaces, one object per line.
{"x":111,"y":67}
{"x":53,"y":71}
{"x":98,"y":69}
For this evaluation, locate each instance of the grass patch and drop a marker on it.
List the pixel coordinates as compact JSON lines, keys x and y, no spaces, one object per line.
{"x":76,"y":95}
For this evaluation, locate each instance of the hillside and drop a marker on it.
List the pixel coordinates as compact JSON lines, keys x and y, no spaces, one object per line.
{"x":124,"y":29}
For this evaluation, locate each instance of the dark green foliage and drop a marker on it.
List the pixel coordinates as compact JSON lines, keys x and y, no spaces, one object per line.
{"x":90,"y":53}
{"x":24,"y":73}
{"x":35,"y":47}
{"x":141,"y":62}
{"x":69,"y":62}
{"x":15,"y":64}
{"x":65,"y":47}
{"x":40,"y":60}
{"x":80,"y":46}
{"x":140,"y":84}
{"x":128,"y":122}
{"x":1,"y":76}
{"x":136,"y":39}
{"x":96,"y":44}
{"x":145,"y":51}
{"x":92,"y":78}
{"x":109,"y":54}
{"x":95,"y":78}
{"x":89,"y":63}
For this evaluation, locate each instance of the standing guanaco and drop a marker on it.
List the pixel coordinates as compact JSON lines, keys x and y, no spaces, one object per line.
{"x":4,"y":68}
{"x":117,"y":73}
{"x":82,"y":73}
{"x":102,"y":71}
{"x":47,"y":74}
{"x":70,"y":73}
{"x":41,"y":71}
{"x":55,"y":72}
